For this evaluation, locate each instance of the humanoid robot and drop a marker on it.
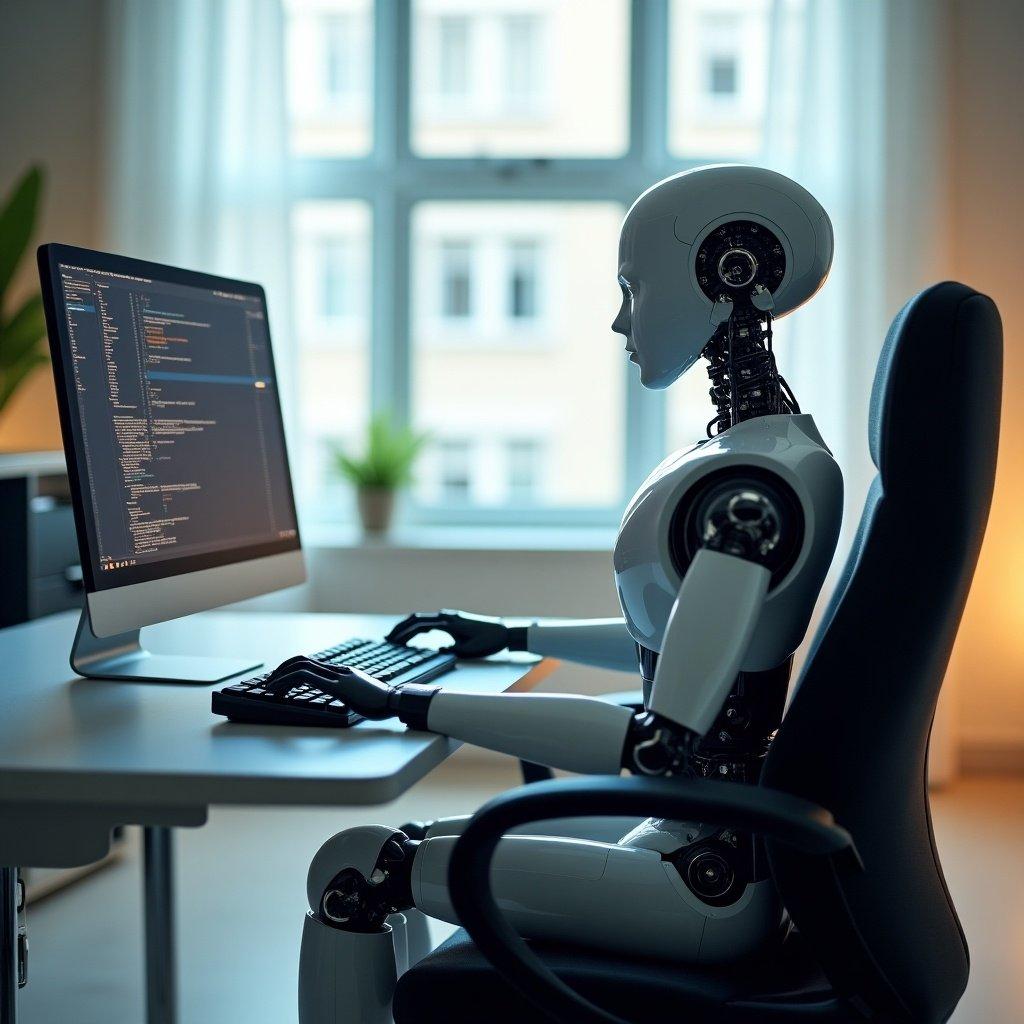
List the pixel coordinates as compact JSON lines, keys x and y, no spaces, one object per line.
{"x":718,"y":562}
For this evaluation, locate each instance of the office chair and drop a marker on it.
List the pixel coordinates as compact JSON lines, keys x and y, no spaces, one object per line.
{"x":874,"y":934}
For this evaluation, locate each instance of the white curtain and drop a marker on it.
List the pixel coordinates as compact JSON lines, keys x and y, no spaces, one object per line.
{"x":856,"y":114}
{"x":197,"y":146}
{"x":859,"y":114}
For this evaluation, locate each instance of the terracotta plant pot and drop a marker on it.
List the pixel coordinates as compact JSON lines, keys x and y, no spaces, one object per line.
{"x":376,"y":508}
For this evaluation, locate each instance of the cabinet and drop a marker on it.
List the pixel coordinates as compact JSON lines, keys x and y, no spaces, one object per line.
{"x":40,"y":571}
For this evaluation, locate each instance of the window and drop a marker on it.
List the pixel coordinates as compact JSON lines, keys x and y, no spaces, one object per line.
{"x":523,"y":280}
{"x":524,"y":470}
{"x":718,"y":78}
{"x":520,"y":78}
{"x":331,"y":247}
{"x":453,"y":57}
{"x":722,"y":75}
{"x":523,"y":69}
{"x":457,"y":265}
{"x":337,"y":258}
{"x":329,"y":76}
{"x":454,"y":471}
{"x":513,"y":366}
{"x":345,"y":79}
{"x":456,"y":286}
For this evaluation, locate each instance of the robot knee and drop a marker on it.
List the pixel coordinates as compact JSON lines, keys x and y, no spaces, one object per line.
{"x":450,"y":826}
{"x":416,"y":829}
{"x":360,"y":876}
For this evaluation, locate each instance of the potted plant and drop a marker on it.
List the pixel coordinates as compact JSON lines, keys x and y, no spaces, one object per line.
{"x":22,"y":330}
{"x":384,"y":468}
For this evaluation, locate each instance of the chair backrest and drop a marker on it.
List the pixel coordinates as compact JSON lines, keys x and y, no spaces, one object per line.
{"x":855,"y":736}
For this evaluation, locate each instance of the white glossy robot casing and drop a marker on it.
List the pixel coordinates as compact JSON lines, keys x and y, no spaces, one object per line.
{"x":665,"y":313}
{"x":646,"y":577}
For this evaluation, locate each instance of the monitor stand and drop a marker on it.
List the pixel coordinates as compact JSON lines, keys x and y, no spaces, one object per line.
{"x":123,"y":657}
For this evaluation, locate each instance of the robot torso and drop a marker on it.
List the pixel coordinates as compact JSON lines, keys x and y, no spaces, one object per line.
{"x":660,"y":531}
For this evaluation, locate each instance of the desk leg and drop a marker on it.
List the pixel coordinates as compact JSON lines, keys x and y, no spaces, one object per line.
{"x":158,"y":895}
{"x":8,"y":945}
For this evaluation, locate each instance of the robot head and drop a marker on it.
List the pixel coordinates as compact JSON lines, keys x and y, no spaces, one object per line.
{"x":698,"y":242}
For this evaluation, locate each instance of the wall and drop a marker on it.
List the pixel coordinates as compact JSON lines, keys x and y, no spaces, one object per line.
{"x":988,"y":211}
{"x":50,"y":95}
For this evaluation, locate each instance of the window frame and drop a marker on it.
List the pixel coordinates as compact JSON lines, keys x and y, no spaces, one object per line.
{"x":392,"y":179}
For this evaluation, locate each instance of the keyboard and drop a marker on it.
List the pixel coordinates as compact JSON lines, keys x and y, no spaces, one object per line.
{"x":249,"y":701}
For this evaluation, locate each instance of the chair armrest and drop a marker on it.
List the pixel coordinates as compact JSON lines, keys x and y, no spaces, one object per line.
{"x":780,"y":816}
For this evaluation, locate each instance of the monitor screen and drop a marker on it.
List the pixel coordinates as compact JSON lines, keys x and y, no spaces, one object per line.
{"x":174,"y":417}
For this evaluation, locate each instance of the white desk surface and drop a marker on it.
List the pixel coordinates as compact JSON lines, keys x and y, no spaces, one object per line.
{"x":90,"y":743}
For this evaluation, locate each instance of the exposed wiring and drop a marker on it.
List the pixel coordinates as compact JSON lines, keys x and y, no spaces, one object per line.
{"x":745,"y":380}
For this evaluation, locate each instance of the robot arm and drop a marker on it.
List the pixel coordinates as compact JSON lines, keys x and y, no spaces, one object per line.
{"x":707,"y":637}
{"x":709,"y":630}
{"x":578,"y":734}
{"x":600,"y":643}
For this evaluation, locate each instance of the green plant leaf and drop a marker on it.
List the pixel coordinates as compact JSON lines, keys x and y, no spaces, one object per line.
{"x":391,"y":451}
{"x":23,"y":332}
{"x":17,"y":223}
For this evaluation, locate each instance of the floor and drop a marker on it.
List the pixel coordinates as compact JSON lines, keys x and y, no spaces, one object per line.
{"x":241,"y":901}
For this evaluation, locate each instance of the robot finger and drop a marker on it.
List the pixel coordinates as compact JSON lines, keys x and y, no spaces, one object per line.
{"x":298,"y":677}
{"x":419,"y":622}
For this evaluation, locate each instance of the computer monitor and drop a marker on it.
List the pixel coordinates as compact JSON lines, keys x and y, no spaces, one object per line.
{"x":172,"y":427}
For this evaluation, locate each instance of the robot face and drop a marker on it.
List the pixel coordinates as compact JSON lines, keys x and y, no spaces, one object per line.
{"x":651,"y":318}
{"x":710,"y":233}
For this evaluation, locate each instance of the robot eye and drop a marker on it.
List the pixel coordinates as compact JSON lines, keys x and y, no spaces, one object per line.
{"x":627,"y":289}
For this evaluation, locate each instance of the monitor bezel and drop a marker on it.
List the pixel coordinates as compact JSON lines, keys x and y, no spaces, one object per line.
{"x":50,"y":256}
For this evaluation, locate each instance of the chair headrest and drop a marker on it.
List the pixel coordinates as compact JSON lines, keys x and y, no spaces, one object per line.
{"x":916,"y":390}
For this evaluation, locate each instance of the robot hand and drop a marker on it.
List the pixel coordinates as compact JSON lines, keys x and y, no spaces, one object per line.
{"x":474,"y":636}
{"x":365,"y":695}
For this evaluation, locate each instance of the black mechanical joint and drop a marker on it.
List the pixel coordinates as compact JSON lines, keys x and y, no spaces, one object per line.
{"x":410,"y":703}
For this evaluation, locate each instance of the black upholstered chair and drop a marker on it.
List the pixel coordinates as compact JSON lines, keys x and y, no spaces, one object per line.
{"x":875,"y":937}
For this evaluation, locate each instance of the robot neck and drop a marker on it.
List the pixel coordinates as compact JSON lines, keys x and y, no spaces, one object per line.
{"x":745,"y":382}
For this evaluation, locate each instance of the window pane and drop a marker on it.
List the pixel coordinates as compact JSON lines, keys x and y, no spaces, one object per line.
{"x":689,"y":408}
{"x":331,"y":288}
{"x":520,"y":77}
{"x":329,"y":67}
{"x":718,"y":77}
{"x":523,"y":284}
{"x":456,"y":280}
{"x":516,"y":374}
{"x":453,"y":56}
{"x":453,"y":465}
{"x":524,"y":471}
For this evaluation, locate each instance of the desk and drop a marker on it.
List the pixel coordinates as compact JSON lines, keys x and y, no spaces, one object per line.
{"x":78,"y":757}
